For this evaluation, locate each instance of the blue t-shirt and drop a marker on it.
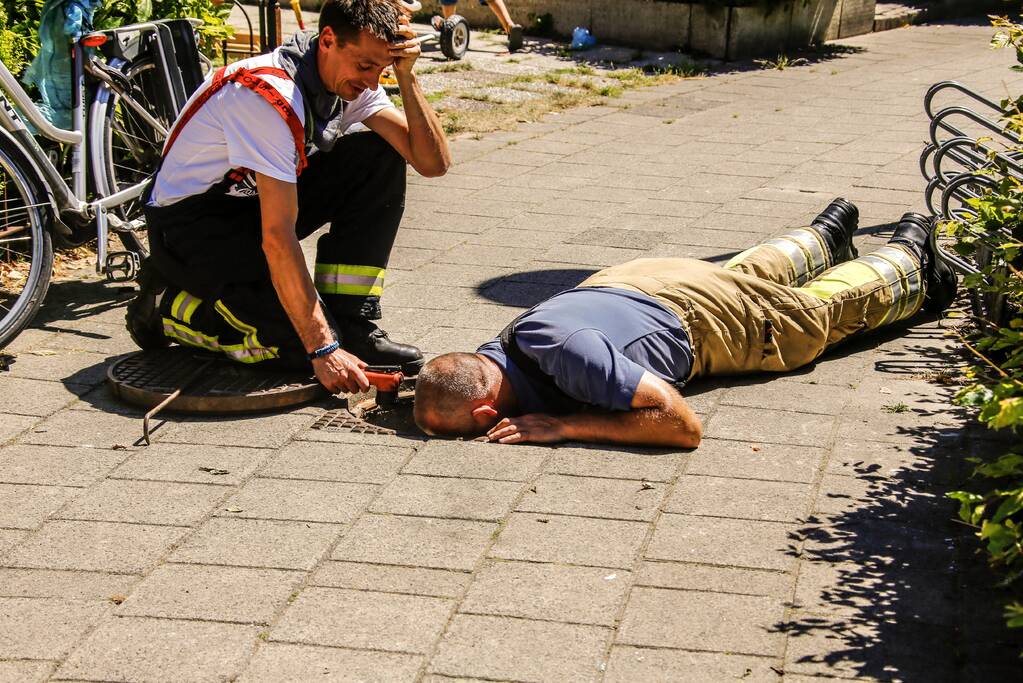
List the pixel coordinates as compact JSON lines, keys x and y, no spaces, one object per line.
{"x":595,"y":343}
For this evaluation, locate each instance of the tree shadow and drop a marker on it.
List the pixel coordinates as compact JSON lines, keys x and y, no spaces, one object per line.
{"x":888,"y":585}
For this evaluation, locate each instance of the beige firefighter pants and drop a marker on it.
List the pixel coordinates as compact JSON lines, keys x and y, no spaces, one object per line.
{"x":777,"y":306}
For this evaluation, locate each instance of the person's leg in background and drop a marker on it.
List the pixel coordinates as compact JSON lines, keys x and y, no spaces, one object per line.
{"x":500,"y":10}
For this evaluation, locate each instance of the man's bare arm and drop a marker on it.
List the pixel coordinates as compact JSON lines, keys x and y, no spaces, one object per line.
{"x":659,"y":417}
{"x":278,"y":203}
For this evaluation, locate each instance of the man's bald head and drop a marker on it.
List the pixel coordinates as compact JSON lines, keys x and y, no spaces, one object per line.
{"x":448,"y":388}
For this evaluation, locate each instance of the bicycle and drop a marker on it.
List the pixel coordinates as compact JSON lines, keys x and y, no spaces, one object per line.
{"x":148,"y":72}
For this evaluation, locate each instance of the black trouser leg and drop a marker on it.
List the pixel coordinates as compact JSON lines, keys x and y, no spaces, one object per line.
{"x":359,"y":188}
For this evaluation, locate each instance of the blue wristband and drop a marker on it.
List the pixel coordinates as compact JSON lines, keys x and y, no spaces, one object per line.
{"x":324,"y":350}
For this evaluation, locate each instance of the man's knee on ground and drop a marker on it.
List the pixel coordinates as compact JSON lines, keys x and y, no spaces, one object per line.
{"x":446,"y":390}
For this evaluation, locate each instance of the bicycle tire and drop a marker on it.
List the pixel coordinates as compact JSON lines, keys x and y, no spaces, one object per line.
{"x":125,"y":149}
{"x":24,"y":215}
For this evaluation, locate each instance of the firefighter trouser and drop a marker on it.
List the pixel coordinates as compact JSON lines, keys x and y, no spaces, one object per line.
{"x":775,"y":307}
{"x":209,"y":248}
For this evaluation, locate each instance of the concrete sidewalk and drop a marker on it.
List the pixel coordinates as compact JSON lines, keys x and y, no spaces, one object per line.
{"x":807,"y":537}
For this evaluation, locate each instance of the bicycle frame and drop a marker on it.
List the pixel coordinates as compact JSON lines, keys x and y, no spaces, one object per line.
{"x":67,"y":199}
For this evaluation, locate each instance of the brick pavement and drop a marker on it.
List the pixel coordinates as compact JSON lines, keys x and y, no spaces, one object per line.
{"x":806,"y":537}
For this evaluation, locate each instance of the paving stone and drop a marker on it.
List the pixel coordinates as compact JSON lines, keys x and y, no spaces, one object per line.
{"x":447,"y":497}
{"x":436,"y":583}
{"x":84,"y":428}
{"x":570,"y":540}
{"x":415,"y":541}
{"x":56,"y":466}
{"x":628,"y":664}
{"x":37,"y":397}
{"x":754,"y":425}
{"x":26,"y":507}
{"x":211,"y":593}
{"x":275,"y":662}
{"x":593,"y":497}
{"x":66,"y":585}
{"x":499,"y":648}
{"x":257,"y":543}
{"x":45,"y":628}
{"x":796,"y":396}
{"x":775,"y":462}
{"x":740,"y":498}
{"x":25,"y":671}
{"x":891,"y":460}
{"x":72,"y":367}
{"x":897,"y":500}
{"x":300,"y":500}
{"x":444,"y":339}
{"x":145,"y":502}
{"x":95,"y":546}
{"x":730,"y":542}
{"x":329,"y":462}
{"x":701,"y":577}
{"x":271,"y":431}
{"x":363,"y":619}
{"x":136,"y":649}
{"x":187,"y":463}
{"x":596,"y":462}
{"x":704,"y":621}
{"x":580,"y":595}
{"x":10,"y":538}
{"x":476,"y":460}
{"x":13,"y":425}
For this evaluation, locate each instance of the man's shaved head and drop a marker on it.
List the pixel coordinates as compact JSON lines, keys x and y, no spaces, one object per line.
{"x":446,"y":389}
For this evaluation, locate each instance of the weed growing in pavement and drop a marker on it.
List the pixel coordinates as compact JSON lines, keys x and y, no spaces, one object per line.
{"x":447,"y":68}
{"x":781,"y":63}
{"x":899,"y":407}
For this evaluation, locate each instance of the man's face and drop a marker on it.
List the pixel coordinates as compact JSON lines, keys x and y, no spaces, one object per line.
{"x":348,"y":69}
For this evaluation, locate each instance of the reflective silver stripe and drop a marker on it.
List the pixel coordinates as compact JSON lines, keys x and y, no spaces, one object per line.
{"x":893,"y":278}
{"x":796,"y":256}
{"x":189,"y":338}
{"x":183,"y":302}
{"x":910,"y":280}
{"x":337,"y":278}
{"x":820,"y":257}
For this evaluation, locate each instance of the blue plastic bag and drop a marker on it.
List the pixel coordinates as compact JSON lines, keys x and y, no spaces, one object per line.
{"x":582,"y":38}
{"x":50,"y":71}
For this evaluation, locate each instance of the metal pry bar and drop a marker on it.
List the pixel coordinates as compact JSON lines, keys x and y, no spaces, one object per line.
{"x":177,"y":392}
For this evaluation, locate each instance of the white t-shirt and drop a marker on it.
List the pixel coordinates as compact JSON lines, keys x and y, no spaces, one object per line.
{"x":238,"y":128}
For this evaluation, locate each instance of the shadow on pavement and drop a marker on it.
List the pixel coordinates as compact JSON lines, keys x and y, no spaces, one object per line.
{"x":528,"y":288}
{"x":890,"y":586}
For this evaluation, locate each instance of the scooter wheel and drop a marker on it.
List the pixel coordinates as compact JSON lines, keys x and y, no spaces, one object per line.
{"x":454,"y":37}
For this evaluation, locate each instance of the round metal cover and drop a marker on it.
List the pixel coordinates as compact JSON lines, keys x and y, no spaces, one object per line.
{"x":210,"y":383}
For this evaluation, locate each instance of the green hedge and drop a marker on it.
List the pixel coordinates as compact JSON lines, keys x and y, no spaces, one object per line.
{"x":993,"y":502}
{"x":19,"y":23}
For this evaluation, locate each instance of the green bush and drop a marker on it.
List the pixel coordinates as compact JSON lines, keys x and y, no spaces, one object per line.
{"x":995,"y":503}
{"x":19,"y":23}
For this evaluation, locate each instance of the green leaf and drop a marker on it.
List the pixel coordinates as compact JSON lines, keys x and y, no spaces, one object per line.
{"x":1010,"y":413}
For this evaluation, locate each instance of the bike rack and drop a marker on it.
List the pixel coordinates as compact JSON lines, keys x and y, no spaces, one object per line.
{"x":959,"y":167}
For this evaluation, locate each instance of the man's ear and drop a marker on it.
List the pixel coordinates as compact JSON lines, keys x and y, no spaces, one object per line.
{"x":486,"y":411}
{"x":327,"y":38}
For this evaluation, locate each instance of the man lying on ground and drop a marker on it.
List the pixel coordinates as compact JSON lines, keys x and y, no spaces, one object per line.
{"x":605,"y":361}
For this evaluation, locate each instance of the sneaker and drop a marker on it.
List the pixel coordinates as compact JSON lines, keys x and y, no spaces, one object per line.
{"x":916,"y":231}
{"x":515,"y":38}
{"x":836,"y":224}
{"x":372,"y":345}
{"x":142,"y":318}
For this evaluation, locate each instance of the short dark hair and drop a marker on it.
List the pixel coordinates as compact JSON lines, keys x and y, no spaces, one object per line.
{"x":445,"y":390}
{"x":348,"y":18}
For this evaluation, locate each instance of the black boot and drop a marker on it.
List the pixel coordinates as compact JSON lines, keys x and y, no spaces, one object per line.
{"x":142,"y":318}
{"x":836,"y":224}
{"x":915,"y":231}
{"x":371,"y":344}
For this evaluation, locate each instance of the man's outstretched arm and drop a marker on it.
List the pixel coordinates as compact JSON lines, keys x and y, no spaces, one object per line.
{"x":659,"y":417}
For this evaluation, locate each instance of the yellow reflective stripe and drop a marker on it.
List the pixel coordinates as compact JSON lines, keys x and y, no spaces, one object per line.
{"x":253,"y":350}
{"x":184,"y":306}
{"x":846,"y":276}
{"x":907,"y":291}
{"x":820,"y":257}
{"x":186,"y":335}
{"x":337,"y":278}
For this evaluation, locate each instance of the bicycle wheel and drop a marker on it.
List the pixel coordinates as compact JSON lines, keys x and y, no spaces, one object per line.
{"x":126,"y":148}
{"x":26,"y":252}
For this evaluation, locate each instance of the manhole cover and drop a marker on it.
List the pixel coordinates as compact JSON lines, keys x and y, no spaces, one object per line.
{"x":209,"y":383}
{"x":366,"y":417}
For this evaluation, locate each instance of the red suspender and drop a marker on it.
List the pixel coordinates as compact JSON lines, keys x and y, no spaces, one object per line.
{"x":248,"y":78}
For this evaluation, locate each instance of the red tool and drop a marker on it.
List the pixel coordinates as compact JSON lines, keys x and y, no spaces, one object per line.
{"x":386,"y":380}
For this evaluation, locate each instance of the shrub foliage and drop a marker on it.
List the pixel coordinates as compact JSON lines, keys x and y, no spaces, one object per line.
{"x":994,"y":503}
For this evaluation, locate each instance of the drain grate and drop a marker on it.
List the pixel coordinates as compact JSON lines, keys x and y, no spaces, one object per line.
{"x":342,"y":420}
{"x":148,"y":377}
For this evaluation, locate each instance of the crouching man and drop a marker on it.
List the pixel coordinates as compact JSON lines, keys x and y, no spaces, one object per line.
{"x":261,"y":158}
{"x":606,"y":361}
